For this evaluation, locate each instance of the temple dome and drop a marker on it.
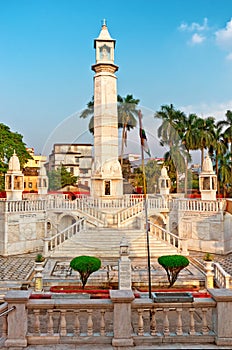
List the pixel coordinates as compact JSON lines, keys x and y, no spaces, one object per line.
{"x":164,"y":172}
{"x":14,"y":164}
{"x":42,"y":171}
{"x":207,"y":166}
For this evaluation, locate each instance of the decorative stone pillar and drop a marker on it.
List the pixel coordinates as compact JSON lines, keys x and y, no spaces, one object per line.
{"x":17,"y":319}
{"x":38,"y":277}
{"x":209,"y":283}
{"x":222,"y":316}
{"x":164,"y":182}
{"x":122,"y":317}
{"x":42,"y":181}
{"x":208,"y":180}
{"x":124,"y":268}
{"x":14,"y":180}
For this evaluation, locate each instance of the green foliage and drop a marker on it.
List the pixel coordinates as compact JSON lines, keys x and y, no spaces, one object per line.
{"x":208,"y":257}
{"x":173,"y":264}
{"x":152,"y":171}
{"x":60,"y":178}
{"x":9,"y":142}
{"x":85,"y":265}
{"x":39,"y":258}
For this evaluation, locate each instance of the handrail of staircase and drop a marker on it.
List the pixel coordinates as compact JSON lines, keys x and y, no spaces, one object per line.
{"x":162,"y":234}
{"x":221,"y":277}
{"x":50,"y":243}
{"x":128,"y":213}
{"x":7,"y":311}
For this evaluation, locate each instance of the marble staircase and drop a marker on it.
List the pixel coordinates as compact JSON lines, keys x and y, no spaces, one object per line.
{"x":105,"y":243}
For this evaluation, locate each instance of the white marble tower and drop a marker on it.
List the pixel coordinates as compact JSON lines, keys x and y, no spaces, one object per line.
{"x":106,"y":178}
{"x":208,"y":181}
{"x":14,"y":184}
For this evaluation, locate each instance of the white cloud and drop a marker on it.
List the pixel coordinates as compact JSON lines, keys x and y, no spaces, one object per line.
{"x":197,"y":39}
{"x":229,"y":56}
{"x":217,"y":110}
{"x":224,"y":36}
{"x":194,"y":26}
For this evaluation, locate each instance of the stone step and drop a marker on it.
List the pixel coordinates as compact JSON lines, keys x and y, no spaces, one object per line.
{"x":106,"y":243}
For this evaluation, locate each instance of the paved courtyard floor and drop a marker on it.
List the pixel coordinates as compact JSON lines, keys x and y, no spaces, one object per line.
{"x":17,"y":270}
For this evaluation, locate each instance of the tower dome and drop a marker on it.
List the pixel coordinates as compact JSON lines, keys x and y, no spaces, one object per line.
{"x":164,"y":172}
{"x":207,"y":166}
{"x":14,"y":164}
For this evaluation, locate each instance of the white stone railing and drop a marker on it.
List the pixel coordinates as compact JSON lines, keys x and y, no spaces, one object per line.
{"x":221,"y":277}
{"x":128,"y":213}
{"x":25,"y":206}
{"x":51,"y":243}
{"x":82,"y":320}
{"x":120,"y":320}
{"x":160,"y":233}
{"x":159,"y":204}
{"x":199,"y":205}
{"x":80,"y":204}
{"x":96,"y":205}
{"x":171,"y":320}
{"x":113,"y":203}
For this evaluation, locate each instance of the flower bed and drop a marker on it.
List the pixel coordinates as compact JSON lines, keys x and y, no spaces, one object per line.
{"x":71,"y":289}
{"x":40,"y":296}
{"x":94,"y":292}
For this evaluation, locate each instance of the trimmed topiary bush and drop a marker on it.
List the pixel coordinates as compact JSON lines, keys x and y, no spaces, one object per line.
{"x":173,"y":264}
{"x":85,"y":265}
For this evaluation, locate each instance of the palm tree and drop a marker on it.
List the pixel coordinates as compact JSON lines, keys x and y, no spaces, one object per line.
{"x":225,"y":177}
{"x":127,"y":114}
{"x":228,"y":124}
{"x":175,"y":157}
{"x":171,"y":129}
{"x":205,"y":128}
{"x":89,"y":111}
{"x":228,"y":131}
{"x":171,"y":132}
{"x":190,"y":140}
{"x":218,"y":149}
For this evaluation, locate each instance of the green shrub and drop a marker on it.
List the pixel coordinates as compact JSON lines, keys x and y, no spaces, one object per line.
{"x":173,"y":264}
{"x":85,"y":265}
{"x":39,"y":258}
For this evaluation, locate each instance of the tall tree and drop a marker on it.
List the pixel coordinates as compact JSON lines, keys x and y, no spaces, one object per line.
{"x":60,"y":177}
{"x":205,"y":127}
{"x":228,"y":125}
{"x":152,"y":172}
{"x":228,"y":131}
{"x":225,"y":177}
{"x":191,"y":142}
{"x":171,"y":133}
{"x":9,"y":142}
{"x":127,"y":114}
{"x":218,"y":149}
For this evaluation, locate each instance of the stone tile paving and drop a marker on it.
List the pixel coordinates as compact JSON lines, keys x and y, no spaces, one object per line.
{"x":15,"y":268}
{"x":20,"y":268}
{"x":224,"y":260}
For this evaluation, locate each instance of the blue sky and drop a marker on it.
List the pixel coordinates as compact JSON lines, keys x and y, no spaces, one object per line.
{"x":168,"y":51}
